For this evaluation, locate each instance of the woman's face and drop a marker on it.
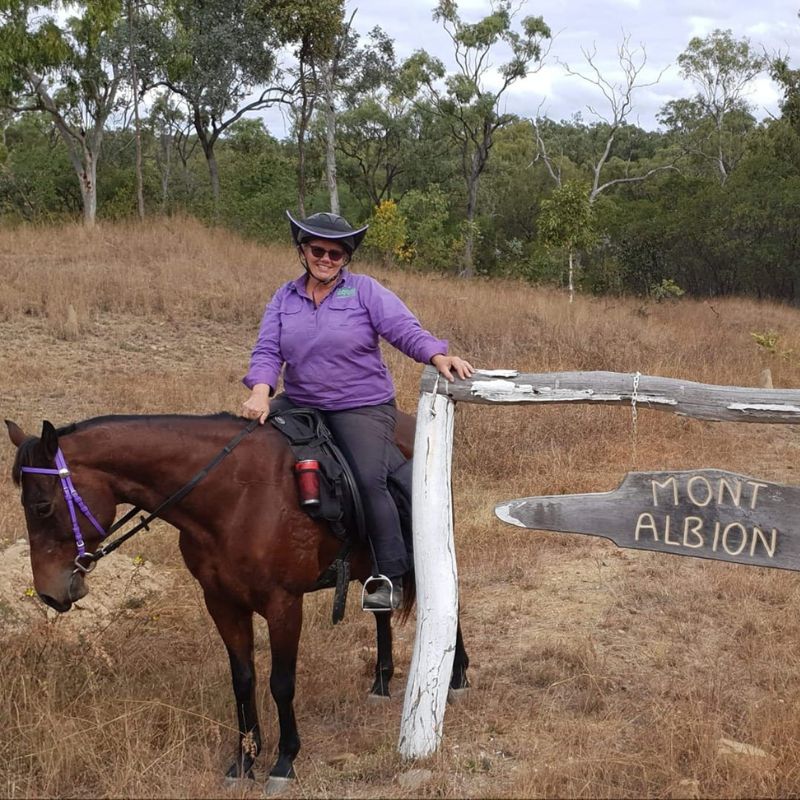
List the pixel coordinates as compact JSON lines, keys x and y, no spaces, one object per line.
{"x":325,"y":257}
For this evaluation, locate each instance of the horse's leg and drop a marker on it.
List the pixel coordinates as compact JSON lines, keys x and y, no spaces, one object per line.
{"x":384,"y":666}
{"x":235,"y":626}
{"x":284,"y":615}
{"x":458,"y":680}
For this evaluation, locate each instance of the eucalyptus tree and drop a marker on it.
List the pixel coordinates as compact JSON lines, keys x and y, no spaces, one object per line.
{"x":713,"y":124}
{"x":788,"y":79}
{"x":318,"y":32}
{"x":171,"y":133}
{"x":375,"y":124}
{"x":221,"y":58}
{"x":69,"y":69}
{"x":566,"y":221}
{"x":131,"y":14}
{"x":470,"y":98}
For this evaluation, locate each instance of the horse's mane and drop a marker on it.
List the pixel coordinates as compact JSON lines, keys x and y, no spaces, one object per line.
{"x":24,"y":451}
{"x":73,"y":427}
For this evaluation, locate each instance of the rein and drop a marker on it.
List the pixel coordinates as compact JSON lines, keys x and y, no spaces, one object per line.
{"x":73,"y":500}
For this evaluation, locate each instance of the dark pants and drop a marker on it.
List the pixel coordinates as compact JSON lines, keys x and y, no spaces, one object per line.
{"x":365,"y":436}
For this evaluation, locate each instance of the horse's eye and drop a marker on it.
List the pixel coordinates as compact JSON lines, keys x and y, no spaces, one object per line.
{"x":42,"y":510}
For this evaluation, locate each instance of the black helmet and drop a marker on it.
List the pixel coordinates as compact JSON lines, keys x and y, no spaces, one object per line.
{"x":324,"y":225}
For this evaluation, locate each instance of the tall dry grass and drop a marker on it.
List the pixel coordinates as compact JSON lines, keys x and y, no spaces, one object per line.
{"x":597,"y":672}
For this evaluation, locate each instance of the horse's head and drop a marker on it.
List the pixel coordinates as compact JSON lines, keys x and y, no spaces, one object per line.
{"x":51,"y":528}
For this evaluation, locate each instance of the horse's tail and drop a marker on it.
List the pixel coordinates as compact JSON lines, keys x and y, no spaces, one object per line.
{"x":409,"y":596}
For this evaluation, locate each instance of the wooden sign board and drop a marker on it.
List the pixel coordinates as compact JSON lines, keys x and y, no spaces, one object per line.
{"x":704,"y":513}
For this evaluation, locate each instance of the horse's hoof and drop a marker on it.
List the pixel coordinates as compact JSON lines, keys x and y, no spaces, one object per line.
{"x":457,"y":695}
{"x":238,"y":784}
{"x":277,"y":786}
{"x":378,"y":699}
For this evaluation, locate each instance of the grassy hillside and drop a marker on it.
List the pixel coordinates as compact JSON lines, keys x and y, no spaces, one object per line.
{"x":597,"y":672}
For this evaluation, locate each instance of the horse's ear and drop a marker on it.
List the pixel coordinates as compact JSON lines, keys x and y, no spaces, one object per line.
{"x":15,"y":433}
{"x":49,"y":440}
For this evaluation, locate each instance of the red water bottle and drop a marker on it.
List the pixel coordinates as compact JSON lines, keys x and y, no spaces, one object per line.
{"x":307,"y":474}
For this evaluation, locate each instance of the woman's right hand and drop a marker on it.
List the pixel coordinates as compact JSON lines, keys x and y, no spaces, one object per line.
{"x":257,"y":405}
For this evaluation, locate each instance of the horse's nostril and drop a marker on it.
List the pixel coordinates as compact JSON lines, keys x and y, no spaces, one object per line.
{"x":53,"y":603}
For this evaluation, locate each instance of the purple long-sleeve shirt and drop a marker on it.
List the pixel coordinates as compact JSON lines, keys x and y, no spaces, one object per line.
{"x":331,"y":353}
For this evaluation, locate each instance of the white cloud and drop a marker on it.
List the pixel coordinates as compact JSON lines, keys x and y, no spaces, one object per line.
{"x":701,"y":26}
{"x":662,"y":27}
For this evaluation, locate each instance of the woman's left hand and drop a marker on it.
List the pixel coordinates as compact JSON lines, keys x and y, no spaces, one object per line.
{"x":449,"y":364}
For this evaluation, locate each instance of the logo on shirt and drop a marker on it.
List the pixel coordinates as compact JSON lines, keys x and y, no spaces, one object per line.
{"x":345,"y":291}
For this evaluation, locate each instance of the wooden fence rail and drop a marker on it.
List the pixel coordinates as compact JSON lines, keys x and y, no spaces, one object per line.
{"x":434,"y":548}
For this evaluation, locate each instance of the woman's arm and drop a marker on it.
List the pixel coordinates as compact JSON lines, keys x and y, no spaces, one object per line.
{"x":266,"y":362}
{"x":395,"y":322}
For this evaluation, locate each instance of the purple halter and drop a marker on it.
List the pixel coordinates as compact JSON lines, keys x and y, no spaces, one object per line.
{"x":72,"y":497}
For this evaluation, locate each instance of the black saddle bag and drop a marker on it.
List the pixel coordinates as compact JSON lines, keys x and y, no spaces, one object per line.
{"x":310,"y":440}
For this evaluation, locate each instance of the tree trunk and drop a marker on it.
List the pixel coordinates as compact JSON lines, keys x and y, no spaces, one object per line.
{"x":207,"y":143}
{"x":166,"y":147}
{"x":472,"y":205}
{"x":307,"y":74}
{"x":213,"y":171}
{"x":301,"y":156}
{"x":136,"y":121}
{"x":723,"y":172}
{"x":83,"y":148}
{"x":571,"y":277}
{"x":87,"y":176}
{"x":330,"y":138}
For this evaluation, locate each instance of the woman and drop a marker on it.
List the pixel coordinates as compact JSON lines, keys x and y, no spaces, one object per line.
{"x":324,"y":329}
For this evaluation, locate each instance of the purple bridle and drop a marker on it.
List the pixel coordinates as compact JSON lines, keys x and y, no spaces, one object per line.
{"x":73,"y":499}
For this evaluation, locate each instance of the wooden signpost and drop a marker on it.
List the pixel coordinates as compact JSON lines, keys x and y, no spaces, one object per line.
{"x":704,"y":513}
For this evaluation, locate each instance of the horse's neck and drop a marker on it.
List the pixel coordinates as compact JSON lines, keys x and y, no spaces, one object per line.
{"x":145,"y":459}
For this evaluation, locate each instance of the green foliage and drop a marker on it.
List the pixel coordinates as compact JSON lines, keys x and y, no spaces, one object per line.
{"x":566,"y":219}
{"x":259,"y":176}
{"x":71,"y":70}
{"x":37,"y":182}
{"x":789,"y":81}
{"x":721,"y":67}
{"x":666,"y":290}
{"x":766,"y":339}
{"x":712,"y":126}
{"x":470,"y":108}
{"x":387,"y":232}
{"x":427,"y":214}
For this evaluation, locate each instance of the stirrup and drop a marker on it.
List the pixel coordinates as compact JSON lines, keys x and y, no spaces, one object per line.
{"x":380,"y":580}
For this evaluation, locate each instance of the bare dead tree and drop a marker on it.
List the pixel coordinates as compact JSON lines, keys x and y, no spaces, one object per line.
{"x":618,"y":96}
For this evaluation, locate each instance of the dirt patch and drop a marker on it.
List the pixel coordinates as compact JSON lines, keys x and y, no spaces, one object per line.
{"x":120,"y":584}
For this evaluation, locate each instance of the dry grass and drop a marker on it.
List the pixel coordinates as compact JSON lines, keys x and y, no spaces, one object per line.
{"x":598,"y":672}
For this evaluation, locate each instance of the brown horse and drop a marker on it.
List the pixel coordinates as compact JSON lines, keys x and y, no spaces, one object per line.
{"x":242,"y":536}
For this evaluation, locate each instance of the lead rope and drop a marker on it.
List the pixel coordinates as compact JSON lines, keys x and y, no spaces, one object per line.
{"x":635,"y":420}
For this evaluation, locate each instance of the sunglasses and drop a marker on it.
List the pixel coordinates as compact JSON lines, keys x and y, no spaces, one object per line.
{"x":333,"y":255}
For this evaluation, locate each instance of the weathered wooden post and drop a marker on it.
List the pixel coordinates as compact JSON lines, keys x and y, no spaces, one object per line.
{"x":436,"y":573}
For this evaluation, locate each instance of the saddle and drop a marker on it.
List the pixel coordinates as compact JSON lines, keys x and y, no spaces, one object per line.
{"x":328,"y":492}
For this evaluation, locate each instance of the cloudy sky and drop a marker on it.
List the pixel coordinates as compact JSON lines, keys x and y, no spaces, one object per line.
{"x":662,"y":27}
